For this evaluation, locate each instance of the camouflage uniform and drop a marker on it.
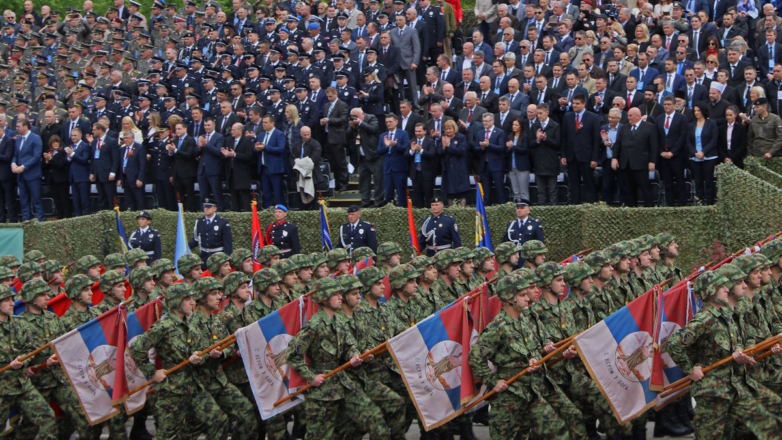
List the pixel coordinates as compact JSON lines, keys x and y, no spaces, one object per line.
{"x":442,"y":260}
{"x":106,"y":282}
{"x":579,"y":308}
{"x":428,"y":300}
{"x":137,"y":278}
{"x":601,"y":301}
{"x":74,"y":318}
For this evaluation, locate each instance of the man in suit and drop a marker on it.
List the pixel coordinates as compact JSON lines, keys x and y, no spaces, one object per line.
{"x":697,"y":36}
{"x":643,"y":74}
{"x":423,"y":165}
{"x":627,"y":21}
{"x":79,"y":158}
{"x":393,"y":147}
{"x":407,"y":119}
{"x":499,"y":83}
{"x":406,"y":40}
{"x":601,"y":101}
{"x":73,"y":121}
{"x":542,"y":93}
{"x":470,"y":118}
{"x":634,"y":97}
{"x":617,"y":82}
{"x":134,"y":168}
{"x":693,"y":92}
{"x":333,"y":120}
{"x":611,"y":179}
{"x":773,"y":88}
{"x":490,"y":152}
{"x":505,"y":117}
{"x":750,"y":81}
{"x":488,"y":99}
{"x":769,"y":55}
{"x":673,"y":81}
{"x":735,"y":68}
{"x":468,"y":84}
{"x":634,"y":153}
{"x":271,"y":151}
{"x":210,"y":144}
{"x":185,"y":168}
{"x":227,"y":118}
{"x":672,"y":135}
{"x":26,"y":164}
{"x":581,"y":149}
{"x":450,"y":104}
{"x":518,"y":100}
{"x":729,"y":29}
{"x":105,"y":164}
{"x":239,"y":152}
{"x":7,"y":177}
{"x":363,"y":132}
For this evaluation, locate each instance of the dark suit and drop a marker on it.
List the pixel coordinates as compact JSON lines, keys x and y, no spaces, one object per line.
{"x":738,"y":144}
{"x":581,"y":147}
{"x":239,"y":171}
{"x":606,"y":105}
{"x":271,"y":166}
{"x":7,"y":178}
{"x":134,"y":167}
{"x":519,"y":101}
{"x":737,"y":76}
{"x":634,"y":150}
{"x":336,"y":140}
{"x":395,"y":164}
{"x":105,"y":162}
{"x":763,"y":59}
{"x":185,"y":170}
{"x":703,"y":171}
{"x":79,"y":178}
{"x":545,"y":160}
{"x":29,"y":154}
{"x":619,"y":84}
{"x":507,"y":125}
{"x":672,"y":170}
{"x":490,"y":163}
{"x":490,"y":101}
{"x":223,"y":124}
{"x":699,"y":93}
{"x":423,"y":170}
{"x":500,"y":85}
{"x":549,"y":95}
{"x":65,"y":131}
{"x":370,"y":166}
{"x":413,"y":119}
{"x":772,"y":92}
{"x":210,"y":165}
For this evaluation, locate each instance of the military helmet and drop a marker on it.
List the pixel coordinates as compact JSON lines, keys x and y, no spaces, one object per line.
{"x":216,"y":260}
{"x":233,"y":281}
{"x":420,"y":263}
{"x":6,"y":292}
{"x":140,"y":275}
{"x":546,"y":272}
{"x":773,"y":250}
{"x":361,"y":253}
{"x":645,"y":243}
{"x":386,"y":249}
{"x":76,"y":284}
{"x":464,"y":254}
{"x":504,"y":251}
{"x":265,"y":278}
{"x":325,"y":288}
{"x":596,"y":260}
{"x":400,"y":275}
{"x":664,"y":239}
{"x":337,"y":255}
{"x":283,"y":267}
{"x":301,"y":261}
{"x":110,"y":278}
{"x":732,"y":273}
{"x":176,"y":294}
{"x":133,"y":256}
{"x":6,"y":273}
{"x":508,"y":285}
{"x":479,"y":255}
{"x":50,"y":267}
{"x":27,"y":270}
{"x":349,"y":282}
{"x":204,"y":285}
{"x":708,"y":283}
{"x":318,"y":258}
{"x":162,"y":265}
{"x":577,"y":271}
{"x":188,"y":262}
{"x":528,"y":274}
{"x":532,"y":248}
{"x":9,"y":261}
{"x":762,"y":260}
{"x":370,"y":275}
{"x":33,"y":255}
{"x":238,"y":256}
{"x":84,"y":263}
{"x":33,"y":288}
{"x":616,"y":252}
{"x":114,"y":260}
{"x":633,"y":249}
{"x":443,"y":259}
{"x":748,"y":263}
{"x":267,"y":252}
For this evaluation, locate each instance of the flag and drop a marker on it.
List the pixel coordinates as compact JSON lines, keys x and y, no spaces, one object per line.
{"x":93,"y":356}
{"x":181,"y":248}
{"x":361,"y":264}
{"x":573,"y":258}
{"x":411,"y":227}
{"x":57,"y":305}
{"x":432,"y":357}
{"x":482,"y":310}
{"x":123,"y":239}
{"x":618,"y":354}
{"x":482,"y":234}
{"x":263,"y":346}
{"x":325,"y":232}
{"x":257,"y":238}
{"x":387,"y":291}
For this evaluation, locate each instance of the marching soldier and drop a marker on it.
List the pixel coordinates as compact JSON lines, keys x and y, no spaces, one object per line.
{"x":438,"y":231}
{"x":388,"y":256}
{"x":601,"y":301}
{"x":320,"y":265}
{"x":242,"y":261}
{"x":483,"y":263}
{"x":448,"y":264}
{"x":428,"y":299}
{"x":189,"y":266}
{"x":467,"y":279}
{"x":146,"y":238}
{"x":164,"y":275}
{"x":304,"y":272}
{"x":52,"y":274}
{"x":268,"y":255}
{"x":533,"y":254}
{"x":211,"y":233}
{"x":507,"y":255}
{"x":282,"y":234}
{"x":524,"y":228}
{"x":136,"y":258}
{"x":356,"y":232}
{"x":112,"y":284}
{"x":669,"y":250}
{"x":338,"y":261}
{"x":28,"y":271}
{"x":288,"y":283}
{"x":79,"y":290}
{"x":618,"y":254}
{"x":142,"y":281}
{"x":219,"y":265}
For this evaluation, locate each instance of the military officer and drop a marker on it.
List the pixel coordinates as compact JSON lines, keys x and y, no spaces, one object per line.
{"x":524,"y":228}
{"x":356,"y":232}
{"x":345,"y":92}
{"x":211,"y":233}
{"x":145,"y":238}
{"x":438,"y":231}
{"x":282,"y":234}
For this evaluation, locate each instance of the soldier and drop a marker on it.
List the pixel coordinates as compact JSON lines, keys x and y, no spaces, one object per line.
{"x":402,"y":303}
{"x":111,"y":283}
{"x":601,"y":301}
{"x":145,"y":238}
{"x":211,"y":233}
{"x":219,"y":265}
{"x":41,"y":327}
{"x":448,"y":265}
{"x":282,"y":234}
{"x":467,"y":280}
{"x":356,"y":232}
{"x":640,"y":262}
{"x":115,"y":261}
{"x":88,"y":265}
{"x":142,"y":281}
{"x":179,"y":396}
{"x":164,"y":274}
{"x":533,"y":253}
{"x":11,"y":262}
{"x":363,"y":255}
{"x":52,"y":274}
{"x":17,"y":390}
{"x":303,"y":272}
{"x":726,"y":394}
{"x":286,"y":269}
{"x":764,"y":134}
{"x":320,"y":265}
{"x":242,"y":261}
{"x":524,"y":228}
{"x":28,"y":271}
{"x":136,"y":258}
{"x":189,"y":266}
{"x":339,"y":261}
{"x":669,"y":250}
{"x":438,"y":231}
{"x":327,"y":343}
{"x":268,"y":255}
{"x":34,"y":255}
{"x":650,"y":274}
{"x":507,"y":255}
{"x":619,"y":256}
{"x":483,"y":260}
{"x":578,"y":276}
{"x":388,"y":256}
{"x":428,"y":299}
{"x":7,"y":278}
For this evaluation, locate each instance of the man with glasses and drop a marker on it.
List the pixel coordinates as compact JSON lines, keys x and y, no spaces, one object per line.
{"x":694,"y":92}
{"x":577,"y":52}
{"x":605,"y":53}
{"x":681,"y":54}
{"x":594,"y":71}
{"x":523,"y":57}
{"x":616,"y":81}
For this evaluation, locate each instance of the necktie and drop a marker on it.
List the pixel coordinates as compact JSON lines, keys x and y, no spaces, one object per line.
{"x":629,"y":97}
{"x":208,"y":222}
{"x":98,"y":144}
{"x":556,"y":82}
{"x":633,"y":129}
{"x":73,"y":125}
{"x":196,"y":131}
{"x":469,"y":117}
{"x":547,"y":55}
{"x":770,"y":52}
{"x":689,"y":93}
{"x":732,"y":67}
{"x":385,"y":50}
{"x":436,"y":126}
{"x":442,"y":77}
{"x":695,"y":36}
{"x":483,"y":96}
{"x":502,"y":118}
{"x":537,"y":69}
{"x":668,"y":43}
{"x":21,"y":144}
{"x":578,"y":124}
{"x":670,"y":81}
{"x":570,"y":96}
{"x":668,"y":122}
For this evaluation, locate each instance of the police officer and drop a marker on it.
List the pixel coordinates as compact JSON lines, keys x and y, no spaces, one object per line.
{"x":211,"y":233}
{"x":282,"y":234}
{"x":438,"y":231}
{"x":145,"y":238}
{"x":356,"y":232}
{"x":524,"y":228}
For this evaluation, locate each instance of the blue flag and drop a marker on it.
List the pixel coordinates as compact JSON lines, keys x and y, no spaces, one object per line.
{"x":181,"y":247}
{"x":123,"y":239}
{"x":325,"y":232}
{"x":482,"y":234}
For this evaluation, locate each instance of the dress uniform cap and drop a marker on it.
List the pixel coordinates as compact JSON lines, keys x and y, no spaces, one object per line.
{"x":265,"y":278}
{"x":209,"y":202}
{"x":110,"y":278}
{"x":369,"y":71}
{"x":481,"y":254}
{"x":301,"y":261}
{"x":577,"y":271}
{"x":361,"y":253}
{"x":708,"y":283}
{"x":340,"y":75}
{"x":772,"y":250}
{"x":349,"y":282}
{"x":522,"y":202}
{"x":284,"y":267}
{"x":401,"y":274}
{"x":546,"y":272}
{"x":187,"y":262}
{"x":732,"y":273}
{"x":284,"y":29}
{"x":325,"y":288}
{"x":76,"y":284}
{"x":203,"y":286}
{"x":50,"y":267}
{"x":532,"y":248}
{"x":504,"y":251}
{"x":6,"y":273}
{"x":140,"y":275}
{"x":747,"y":263}
{"x":160,"y":266}
{"x":114,"y":260}
{"x":216,"y":260}
{"x":232,"y":282}
{"x":281,"y":207}
{"x":335,"y":256}
{"x":386,"y":249}
{"x":33,"y":288}
{"x":292,"y":18}
{"x":135,"y":255}
{"x":27,"y":270}
{"x":596,"y":259}
{"x":33,"y":255}
{"x":508,"y":285}
{"x":443,"y":259}
{"x":370,"y":275}
{"x":420,"y":263}
{"x":761,"y":101}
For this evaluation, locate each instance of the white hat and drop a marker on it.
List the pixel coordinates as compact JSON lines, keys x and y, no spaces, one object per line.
{"x":717,"y":86}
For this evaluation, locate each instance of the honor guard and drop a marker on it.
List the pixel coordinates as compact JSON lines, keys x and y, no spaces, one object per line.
{"x":356,"y":232}
{"x":145,"y":238}
{"x":282,"y":234}
{"x":438,"y":231}
{"x":524,"y":228}
{"x":211,"y":233}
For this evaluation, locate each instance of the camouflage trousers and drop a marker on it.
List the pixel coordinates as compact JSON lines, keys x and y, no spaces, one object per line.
{"x":511,"y":417}
{"x":567,"y":411}
{"x":33,"y":407}
{"x":64,"y":396}
{"x":737,"y":414}
{"x":276,"y":427}
{"x":397,"y":385}
{"x":239,"y":409}
{"x":391,"y":404}
{"x":356,"y":408}
{"x":174,"y":410}
{"x":583,"y":391}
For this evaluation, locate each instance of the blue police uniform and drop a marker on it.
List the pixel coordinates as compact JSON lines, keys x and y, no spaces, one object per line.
{"x":147,"y":240}
{"x":212,"y":237}
{"x":438,"y":233}
{"x":285,"y":236}
{"x":521,"y":231}
{"x":353,"y":237}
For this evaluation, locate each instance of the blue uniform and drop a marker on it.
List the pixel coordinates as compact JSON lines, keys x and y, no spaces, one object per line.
{"x":352,"y":238}
{"x":438,"y":233}
{"x":212,"y":237}
{"x":285,"y":236}
{"x":148,"y":241}
{"x":522,"y":231}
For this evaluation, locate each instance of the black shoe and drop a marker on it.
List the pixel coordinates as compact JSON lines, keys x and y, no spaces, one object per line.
{"x":666,"y":424}
{"x":639,"y":432}
{"x":381,"y":204}
{"x":465,"y":431}
{"x":139,"y":430}
{"x":680,"y":413}
{"x":366,"y":204}
{"x":481,"y":417}
{"x":592,"y":433}
{"x":687,"y":405}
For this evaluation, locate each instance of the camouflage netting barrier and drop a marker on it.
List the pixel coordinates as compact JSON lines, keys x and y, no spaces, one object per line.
{"x":768,"y":170}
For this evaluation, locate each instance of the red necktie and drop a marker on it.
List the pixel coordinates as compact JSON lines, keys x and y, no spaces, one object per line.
{"x":469,"y":117}
{"x":98,"y":144}
{"x":667,"y":122}
{"x":629,"y":97}
{"x":578,"y":125}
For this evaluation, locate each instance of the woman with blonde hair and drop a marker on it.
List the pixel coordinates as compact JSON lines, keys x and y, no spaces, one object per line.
{"x":292,"y":126}
{"x":618,"y":35}
{"x":129,"y":125}
{"x":641,"y":37}
{"x":712,"y":66}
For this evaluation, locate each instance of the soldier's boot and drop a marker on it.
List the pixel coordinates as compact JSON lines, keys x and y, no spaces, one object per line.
{"x":680,"y":412}
{"x":687,"y":405}
{"x":591,"y":429}
{"x":481,"y":417}
{"x":639,"y":431}
{"x":465,"y":430}
{"x":667,"y":424}
{"x":139,"y":429}
{"x":299,"y":430}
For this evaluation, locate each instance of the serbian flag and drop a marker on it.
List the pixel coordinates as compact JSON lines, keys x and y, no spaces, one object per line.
{"x":57,"y":305}
{"x":121,"y":237}
{"x":411,"y":227}
{"x":17,"y":285}
{"x":361,"y":264}
{"x":325,"y":231}
{"x":387,"y":291}
{"x":481,"y":310}
{"x":432,"y":357}
{"x":482,"y":234}
{"x":618,"y":354}
{"x":257,"y":238}
{"x":263,"y":346}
